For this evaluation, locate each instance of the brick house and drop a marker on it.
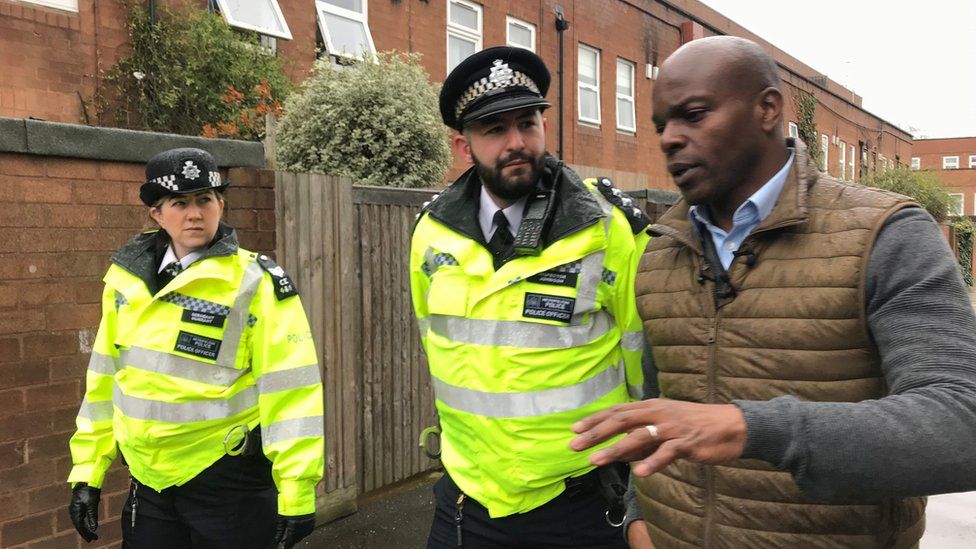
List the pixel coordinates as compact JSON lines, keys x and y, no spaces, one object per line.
{"x":953,"y":160}
{"x":53,"y":54}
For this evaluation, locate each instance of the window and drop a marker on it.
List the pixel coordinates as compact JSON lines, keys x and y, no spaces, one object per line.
{"x":794,"y":130}
{"x":626,"y":118}
{"x":972,"y":161}
{"x":824,"y":147}
{"x":344,"y":27}
{"x":261,"y":16}
{"x":950,"y":162}
{"x":463,"y":31}
{"x":67,"y":5}
{"x":850,"y":161}
{"x":519,"y":34}
{"x":881,"y":163}
{"x":589,"y":84}
{"x":842,"y":161}
{"x":955,"y":204}
{"x":916,"y":163}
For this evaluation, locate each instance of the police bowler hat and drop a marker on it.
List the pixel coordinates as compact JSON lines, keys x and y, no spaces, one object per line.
{"x":180,"y":171}
{"x":492,"y":81}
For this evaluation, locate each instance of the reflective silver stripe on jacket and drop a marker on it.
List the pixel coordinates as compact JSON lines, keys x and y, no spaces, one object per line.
{"x":532,"y":403}
{"x":96,"y":411}
{"x":293,"y":378}
{"x":632,"y":341}
{"x":103,"y":364}
{"x":238,"y":316}
{"x":635,"y":392}
{"x":589,"y":282}
{"x":514,"y":333}
{"x":299,"y":427}
{"x":184,"y":412}
{"x":177,"y":366}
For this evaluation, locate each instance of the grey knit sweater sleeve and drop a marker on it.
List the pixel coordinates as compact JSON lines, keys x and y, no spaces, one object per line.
{"x":921,"y":439}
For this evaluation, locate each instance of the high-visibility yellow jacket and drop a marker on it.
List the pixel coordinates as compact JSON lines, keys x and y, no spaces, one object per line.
{"x":519,"y":354}
{"x":225,"y":345}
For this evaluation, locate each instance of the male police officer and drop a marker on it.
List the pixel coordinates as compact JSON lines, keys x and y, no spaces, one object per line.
{"x":523,"y":283}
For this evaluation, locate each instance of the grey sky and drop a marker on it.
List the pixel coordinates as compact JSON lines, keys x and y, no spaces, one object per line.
{"x":914,"y":63}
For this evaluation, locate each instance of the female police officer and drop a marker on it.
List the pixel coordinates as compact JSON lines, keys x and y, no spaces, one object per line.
{"x":204,"y":375}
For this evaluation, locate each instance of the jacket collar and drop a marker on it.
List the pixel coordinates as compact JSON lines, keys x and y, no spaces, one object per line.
{"x":574,"y":207}
{"x":141,"y":255}
{"x":791,"y":207}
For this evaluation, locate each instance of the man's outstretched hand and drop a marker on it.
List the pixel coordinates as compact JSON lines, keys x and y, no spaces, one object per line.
{"x":703,"y":433}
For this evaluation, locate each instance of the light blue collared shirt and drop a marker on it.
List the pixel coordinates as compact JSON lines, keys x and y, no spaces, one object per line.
{"x":746,"y":217}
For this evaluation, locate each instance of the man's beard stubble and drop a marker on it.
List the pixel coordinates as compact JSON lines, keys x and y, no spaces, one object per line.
{"x":509,"y":188}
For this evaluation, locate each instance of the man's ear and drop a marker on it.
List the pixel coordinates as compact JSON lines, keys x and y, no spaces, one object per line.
{"x":770,"y":108}
{"x":462,"y":147}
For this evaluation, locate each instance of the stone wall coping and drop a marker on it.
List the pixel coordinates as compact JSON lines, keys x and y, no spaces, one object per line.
{"x":43,"y":138}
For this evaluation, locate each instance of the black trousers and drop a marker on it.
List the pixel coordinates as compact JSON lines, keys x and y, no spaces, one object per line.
{"x":232,"y":504}
{"x":575,"y":519}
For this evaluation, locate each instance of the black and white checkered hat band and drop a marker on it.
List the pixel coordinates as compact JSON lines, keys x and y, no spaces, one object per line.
{"x":485,"y":85}
{"x":169,"y":181}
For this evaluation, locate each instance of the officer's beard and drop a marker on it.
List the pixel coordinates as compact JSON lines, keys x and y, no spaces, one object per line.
{"x":509,"y":187}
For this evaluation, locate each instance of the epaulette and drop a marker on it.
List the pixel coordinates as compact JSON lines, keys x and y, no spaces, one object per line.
{"x":635,"y":216}
{"x":283,"y":286}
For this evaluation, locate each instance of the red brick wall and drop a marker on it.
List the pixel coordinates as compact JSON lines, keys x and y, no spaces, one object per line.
{"x":49,"y":57}
{"x":60,"y":220}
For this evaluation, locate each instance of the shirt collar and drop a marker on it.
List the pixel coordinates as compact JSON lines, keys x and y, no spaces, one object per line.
{"x":761,"y":202}
{"x":170,"y":256}
{"x":487,"y":209}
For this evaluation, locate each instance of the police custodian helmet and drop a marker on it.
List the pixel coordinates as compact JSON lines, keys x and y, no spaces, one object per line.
{"x":493,"y":81}
{"x":180,"y":171}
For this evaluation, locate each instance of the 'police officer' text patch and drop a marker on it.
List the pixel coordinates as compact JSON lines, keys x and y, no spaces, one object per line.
{"x":548,"y":307}
{"x":197,"y":345}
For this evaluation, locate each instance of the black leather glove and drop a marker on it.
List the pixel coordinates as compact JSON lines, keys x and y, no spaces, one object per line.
{"x":84,"y":510}
{"x":292,"y":530}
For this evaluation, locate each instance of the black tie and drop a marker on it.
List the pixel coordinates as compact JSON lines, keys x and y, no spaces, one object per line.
{"x":168,"y":273}
{"x":500,"y":244}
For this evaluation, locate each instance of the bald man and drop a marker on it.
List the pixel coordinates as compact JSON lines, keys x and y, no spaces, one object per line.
{"x":813,"y":339}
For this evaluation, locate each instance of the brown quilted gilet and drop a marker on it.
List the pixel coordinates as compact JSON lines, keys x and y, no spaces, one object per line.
{"x":794,"y":325}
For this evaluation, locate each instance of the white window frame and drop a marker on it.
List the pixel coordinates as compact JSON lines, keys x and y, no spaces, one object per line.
{"x":462,"y":32}
{"x":842,"y":161}
{"x":321,"y":6}
{"x":824,"y":149}
{"x":793,"y":130}
{"x":950,"y":162}
{"x":916,"y":163}
{"x":961,"y":210}
{"x":626,"y":98}
{"x":581,"y":85}
{"x":972,"y":161}
{"x":66,"y":5}
{"x":229,"y":17}
{"x":509,"y":22}
{"x":850,"y":161}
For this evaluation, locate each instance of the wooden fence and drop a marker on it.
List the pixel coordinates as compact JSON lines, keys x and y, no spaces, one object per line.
{"x":347,"y":249}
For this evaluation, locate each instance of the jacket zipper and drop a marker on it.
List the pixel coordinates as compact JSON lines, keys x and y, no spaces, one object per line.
{"x":711,"y":382}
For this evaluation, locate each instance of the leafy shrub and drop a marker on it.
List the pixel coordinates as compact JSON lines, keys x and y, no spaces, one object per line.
{"x":375,"y":122}
{"x":179,"y":73}
{"x":965,"y":238}
{"x":922,"y":186}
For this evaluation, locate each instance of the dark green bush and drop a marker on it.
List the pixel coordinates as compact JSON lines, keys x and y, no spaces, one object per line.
{"x":182,"y":72}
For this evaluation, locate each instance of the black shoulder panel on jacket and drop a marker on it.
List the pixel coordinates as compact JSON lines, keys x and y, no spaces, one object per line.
{"x":636,"y":216}
{"x":283,"y":286}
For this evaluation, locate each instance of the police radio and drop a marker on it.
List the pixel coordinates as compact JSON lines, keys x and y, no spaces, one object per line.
{"x":528,"y":241}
